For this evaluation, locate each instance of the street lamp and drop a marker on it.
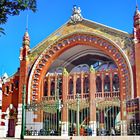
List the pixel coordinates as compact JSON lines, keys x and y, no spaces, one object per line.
{"x":78,"y":109}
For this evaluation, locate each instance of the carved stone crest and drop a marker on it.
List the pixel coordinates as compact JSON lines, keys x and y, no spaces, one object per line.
{"x":76,"y":15}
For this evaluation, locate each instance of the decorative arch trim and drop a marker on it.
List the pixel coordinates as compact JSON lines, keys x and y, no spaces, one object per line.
{"x":52,"y":52}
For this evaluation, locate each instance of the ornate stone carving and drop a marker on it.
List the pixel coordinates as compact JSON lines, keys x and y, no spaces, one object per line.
{"x":92,"y":69}
{"x":65,"y":72}
{"x":76,"y":15}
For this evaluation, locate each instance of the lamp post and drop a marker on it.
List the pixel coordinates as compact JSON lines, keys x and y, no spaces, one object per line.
{"x":78,"y":109}
{"x":23,"y":111}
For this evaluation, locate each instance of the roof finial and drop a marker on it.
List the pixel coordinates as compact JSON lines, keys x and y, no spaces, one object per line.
{"x":27,"y":23}
{"x":26,"y":35}
{"x":137,"y":10}
{"x":26,"y":38}
{"x":136,"y":3}
{"x":76,"y":15}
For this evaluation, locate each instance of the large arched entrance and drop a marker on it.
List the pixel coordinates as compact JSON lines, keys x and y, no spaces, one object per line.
{"x":96,"y":69}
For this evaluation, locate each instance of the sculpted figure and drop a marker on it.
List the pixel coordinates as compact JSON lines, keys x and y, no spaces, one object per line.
{"x":76,"y":15}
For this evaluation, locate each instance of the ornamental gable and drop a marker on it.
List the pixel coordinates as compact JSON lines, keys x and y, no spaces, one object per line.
{"x":122,"y":39}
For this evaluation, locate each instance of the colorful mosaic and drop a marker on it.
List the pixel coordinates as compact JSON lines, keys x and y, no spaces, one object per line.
{"x":122,"y":39}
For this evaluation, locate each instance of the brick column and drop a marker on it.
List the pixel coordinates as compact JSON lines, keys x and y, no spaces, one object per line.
{"x":101,"y":118}
{"x":64,"y":124}
{"x":74,"y":85}
{"x":82,"y":87}
{"x":24,"y":62}
{"x":123,"y":109}
{"x":49,"y":86}
{"x":137,"y":68}
{"x":102,"y":78}
{"x":111,"y":84}
{"x":22,"y":81}
{"x":136,"y":39}
{"x":92,"y":104}
{"x":123,"y":118}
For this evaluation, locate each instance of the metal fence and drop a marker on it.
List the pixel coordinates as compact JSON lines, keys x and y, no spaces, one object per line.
{"x":45,"y":118}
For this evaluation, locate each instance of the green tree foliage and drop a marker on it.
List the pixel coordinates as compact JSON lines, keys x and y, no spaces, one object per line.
{"x":14,"y":7}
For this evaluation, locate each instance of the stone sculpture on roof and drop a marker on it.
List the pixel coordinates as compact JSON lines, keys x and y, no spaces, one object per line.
{"x":76,"y":15}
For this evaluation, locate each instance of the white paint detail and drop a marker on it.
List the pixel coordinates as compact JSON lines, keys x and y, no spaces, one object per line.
{"x":92,"y":125}
{"x":19,"y":121}
{"x":30,"y":124}
{"x":18,"y":131}
{"x":3,"y":131}
{"x":123,"y":128}
{"x":64,"y":129}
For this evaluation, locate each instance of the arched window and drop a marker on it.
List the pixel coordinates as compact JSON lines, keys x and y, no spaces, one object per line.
{"x":106,"y":84}
{"x":115,"y":86}
{"x":86,"y":85}
{"x":7,"y":89}
{"x":52,"y":87}
{"x":79,"y":68}
{"x":16,"y":84}
{"x":71,"y":86}
{"x":98,"y":84}
{"x":11,"y":87}
{"x":45,"y":88}
{"x":78,"y":86}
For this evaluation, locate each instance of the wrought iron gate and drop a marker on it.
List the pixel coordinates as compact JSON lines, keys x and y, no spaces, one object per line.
{"x":45,"y":118}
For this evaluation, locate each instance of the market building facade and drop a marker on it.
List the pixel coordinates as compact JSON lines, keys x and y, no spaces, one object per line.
{"x":81,"y":80}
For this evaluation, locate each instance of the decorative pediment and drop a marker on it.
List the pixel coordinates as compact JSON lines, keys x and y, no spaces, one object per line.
{"x":122,"y":39}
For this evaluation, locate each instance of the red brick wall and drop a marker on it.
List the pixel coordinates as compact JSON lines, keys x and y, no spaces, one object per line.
{"x":137,"y":66}
{"x":12,"y":96}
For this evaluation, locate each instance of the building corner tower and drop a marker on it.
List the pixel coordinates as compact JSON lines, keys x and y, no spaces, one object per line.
{"x":24,"y":51}
{"x":136,"y":36}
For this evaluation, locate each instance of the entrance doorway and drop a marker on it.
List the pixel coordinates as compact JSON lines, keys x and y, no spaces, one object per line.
{"x":11,"y":128}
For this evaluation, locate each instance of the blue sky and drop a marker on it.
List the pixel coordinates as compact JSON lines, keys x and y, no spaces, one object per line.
{"x":52,"y":14}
